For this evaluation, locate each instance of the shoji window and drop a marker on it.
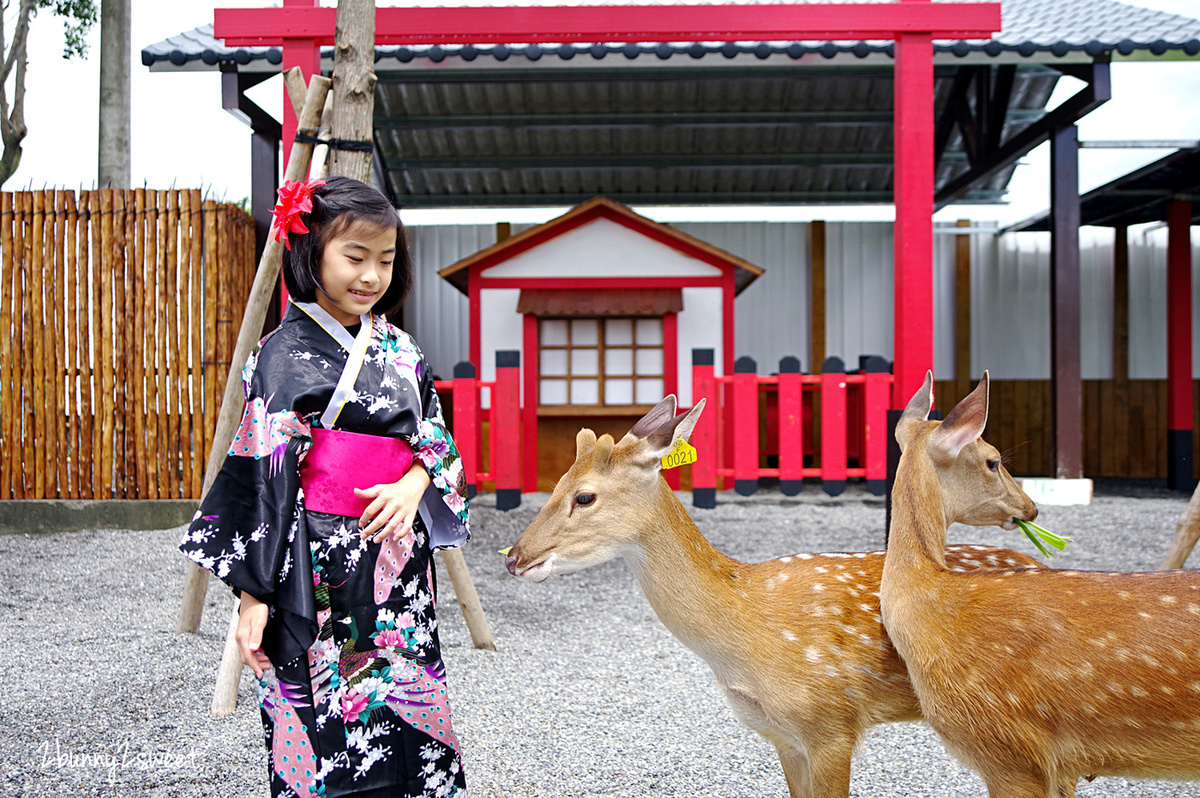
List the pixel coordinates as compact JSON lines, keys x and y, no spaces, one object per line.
{"x":607,"y":362}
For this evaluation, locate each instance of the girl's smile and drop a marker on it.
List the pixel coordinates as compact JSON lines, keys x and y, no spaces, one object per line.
{"x":356,"y":270}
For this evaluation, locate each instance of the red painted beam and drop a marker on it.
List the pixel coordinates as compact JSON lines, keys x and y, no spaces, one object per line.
{"x":791,"y":427}
{"x":619,"y":23}
{"x":913,"y":189}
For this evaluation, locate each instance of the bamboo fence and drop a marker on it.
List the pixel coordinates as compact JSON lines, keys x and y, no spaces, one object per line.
{"x":116,"y":309}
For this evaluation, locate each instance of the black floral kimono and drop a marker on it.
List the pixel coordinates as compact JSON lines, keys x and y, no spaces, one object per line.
{"x":356,"y":703}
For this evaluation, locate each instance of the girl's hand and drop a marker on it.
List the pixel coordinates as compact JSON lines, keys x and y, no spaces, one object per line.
{"x":252,"y":619}
{"x":393,"y":506}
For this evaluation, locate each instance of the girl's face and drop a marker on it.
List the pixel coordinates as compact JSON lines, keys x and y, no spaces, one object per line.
{"x":356,"y":269}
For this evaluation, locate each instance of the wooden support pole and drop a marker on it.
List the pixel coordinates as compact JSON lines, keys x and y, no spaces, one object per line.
{"x":252,"y":320}
{"x":1180,"y":388}
{"x":1065,"y":308}
{"x":468,"y":599}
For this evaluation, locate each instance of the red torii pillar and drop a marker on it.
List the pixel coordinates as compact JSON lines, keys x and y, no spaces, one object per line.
{"x":301,"y":27}
{"x":1180,"y":391}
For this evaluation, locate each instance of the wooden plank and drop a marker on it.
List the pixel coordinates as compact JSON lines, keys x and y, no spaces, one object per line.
{"x":59,"y":383}
{"x":71,"y":335}
{"x":154,"y":347}
{"x":179,"y":226}
{"x":162,"y":373}
{"x":7,"y":355}
{"x":196,"y":277}
{"x":88,"y":280}
{"x":135,"y":464}
{"x":211,"y":287}
{"x":169,"y":218}
{"x":35,"y":291}
{"x":224,"y":299}
{"x":962,"y":311}
{"x":26,"y":488}
{"x":105,"y":360}
{"x":817,"y":294}
{"x":137,"y":272}
{"x":121,"y":354}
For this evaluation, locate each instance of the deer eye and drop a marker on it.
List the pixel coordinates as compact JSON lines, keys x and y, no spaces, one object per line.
{"x":584,"y":498}
{"x":993,"y":465}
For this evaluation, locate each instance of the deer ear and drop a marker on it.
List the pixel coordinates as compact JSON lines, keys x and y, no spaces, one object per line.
{"x":916,"y":411}
{"x":964,"y":425}
{"x":660,"y":441}
{"x":663,"y":411}
{"x":585,"y":439}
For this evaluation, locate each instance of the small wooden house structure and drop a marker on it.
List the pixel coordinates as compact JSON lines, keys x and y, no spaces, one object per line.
{"x":604,"y":307}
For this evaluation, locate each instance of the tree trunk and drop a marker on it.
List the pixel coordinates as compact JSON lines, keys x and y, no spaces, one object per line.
{"x":12,"y":119}
{"x":114,"y":169}
{"x":353,"y":89}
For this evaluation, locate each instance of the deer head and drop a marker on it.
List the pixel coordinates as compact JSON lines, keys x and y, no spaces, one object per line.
{"x":597,"y":508}
{"x":976,"y":488}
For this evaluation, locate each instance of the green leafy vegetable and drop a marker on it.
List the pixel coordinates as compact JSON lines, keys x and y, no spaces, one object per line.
{"x":506,"y":551}
{"x":1034,"y":532}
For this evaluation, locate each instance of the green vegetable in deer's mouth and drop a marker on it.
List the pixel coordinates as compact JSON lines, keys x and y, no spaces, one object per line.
{"x":1034,"y":532}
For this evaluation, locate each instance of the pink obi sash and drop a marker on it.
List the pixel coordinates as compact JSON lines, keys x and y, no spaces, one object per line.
{"x":338,"y":462}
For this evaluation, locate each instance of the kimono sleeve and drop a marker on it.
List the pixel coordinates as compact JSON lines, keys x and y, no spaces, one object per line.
{"x":249,"y":530}
{"x":444,"y":506}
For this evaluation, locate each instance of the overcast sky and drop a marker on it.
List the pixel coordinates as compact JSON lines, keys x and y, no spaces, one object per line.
{"x":182,"y":137}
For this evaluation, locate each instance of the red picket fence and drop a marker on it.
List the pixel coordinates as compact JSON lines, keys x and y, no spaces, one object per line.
{"x":500,"y":452}
{"x":753,"y":420}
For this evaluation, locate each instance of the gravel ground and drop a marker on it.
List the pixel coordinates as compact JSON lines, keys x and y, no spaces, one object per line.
{"x":588,"y":695}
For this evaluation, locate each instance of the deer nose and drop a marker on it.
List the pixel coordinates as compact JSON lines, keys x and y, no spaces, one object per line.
{"x":510,"y":562}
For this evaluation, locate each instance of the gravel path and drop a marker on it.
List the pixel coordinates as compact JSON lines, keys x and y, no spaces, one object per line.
{"x":588,"y":694}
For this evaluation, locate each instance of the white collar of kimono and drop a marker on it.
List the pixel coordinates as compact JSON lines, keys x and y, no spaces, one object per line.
{"x":356,"y":348}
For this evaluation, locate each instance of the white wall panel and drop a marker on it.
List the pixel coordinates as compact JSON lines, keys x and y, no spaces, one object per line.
{"x":436,"y":314}
{"x":772,"y":316}
{"x":699,"y":328}
{"x":858,"y":280}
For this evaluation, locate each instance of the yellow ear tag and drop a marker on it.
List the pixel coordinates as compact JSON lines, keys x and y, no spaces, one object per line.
{"x":681,"y":454}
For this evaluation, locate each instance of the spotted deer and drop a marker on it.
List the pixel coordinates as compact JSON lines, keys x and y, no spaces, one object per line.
{"x":795,"y":643}
{"x":1031,"y":677}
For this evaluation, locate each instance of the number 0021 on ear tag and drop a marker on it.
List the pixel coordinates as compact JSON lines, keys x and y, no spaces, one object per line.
{"x":681,"y":453}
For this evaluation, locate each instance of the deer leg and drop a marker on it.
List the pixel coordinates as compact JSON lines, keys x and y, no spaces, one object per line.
{"x":1013,"y":783}
{"x":795,"y":770}
{"x":830,"y":765}
{"x":1187,"y":531}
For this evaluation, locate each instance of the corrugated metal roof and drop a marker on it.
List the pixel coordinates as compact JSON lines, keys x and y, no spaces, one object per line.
{"x":723,"y":122}
{"x":1031,"y":28}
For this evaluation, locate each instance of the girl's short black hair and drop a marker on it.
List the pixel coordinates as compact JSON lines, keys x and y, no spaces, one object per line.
{"x":337,"y":205}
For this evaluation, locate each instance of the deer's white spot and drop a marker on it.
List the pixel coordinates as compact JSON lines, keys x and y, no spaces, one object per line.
{"x":791,"y":636}
{"x":977,"y":548}
{"x":1009,"y":561}
{"x":818,"y":587}
{"x":812,"y":654}
{"x":865,"y":607}
{"x":837,"y":554}
{"x":1166,"y":690}
{"x":785,"y":559}
{"x":1138,"y":692}
{"x":859,"y":555}
{"x":821,"y":569}
{"x":1167,"y":599}
{"x":804,"y":556}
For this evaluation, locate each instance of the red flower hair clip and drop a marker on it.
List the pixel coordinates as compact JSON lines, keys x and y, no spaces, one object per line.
{"x":295,"y":198}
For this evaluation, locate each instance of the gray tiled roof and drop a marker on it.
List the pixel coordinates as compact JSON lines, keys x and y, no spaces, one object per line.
{"x":1033,"y":29}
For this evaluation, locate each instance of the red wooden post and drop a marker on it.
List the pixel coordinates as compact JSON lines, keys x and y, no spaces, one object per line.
{"x":704,"y":436}
{"x":913,"y":190}
{"x":466,"y":422}
{"x":791,"y":427}
{"x":529,"y":415}
{"x":1179,"y":346}
{"x":745,"y":426}
{"x":876,"y":397}
{"x":506,"y":420}
{"x":833,"y":426}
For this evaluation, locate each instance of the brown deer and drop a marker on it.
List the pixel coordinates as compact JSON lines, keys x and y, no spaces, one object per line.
{"x":796,"y":643}
{"x":1032,"y":677}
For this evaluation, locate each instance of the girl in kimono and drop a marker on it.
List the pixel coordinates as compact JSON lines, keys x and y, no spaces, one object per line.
{"x":340,"y":482}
